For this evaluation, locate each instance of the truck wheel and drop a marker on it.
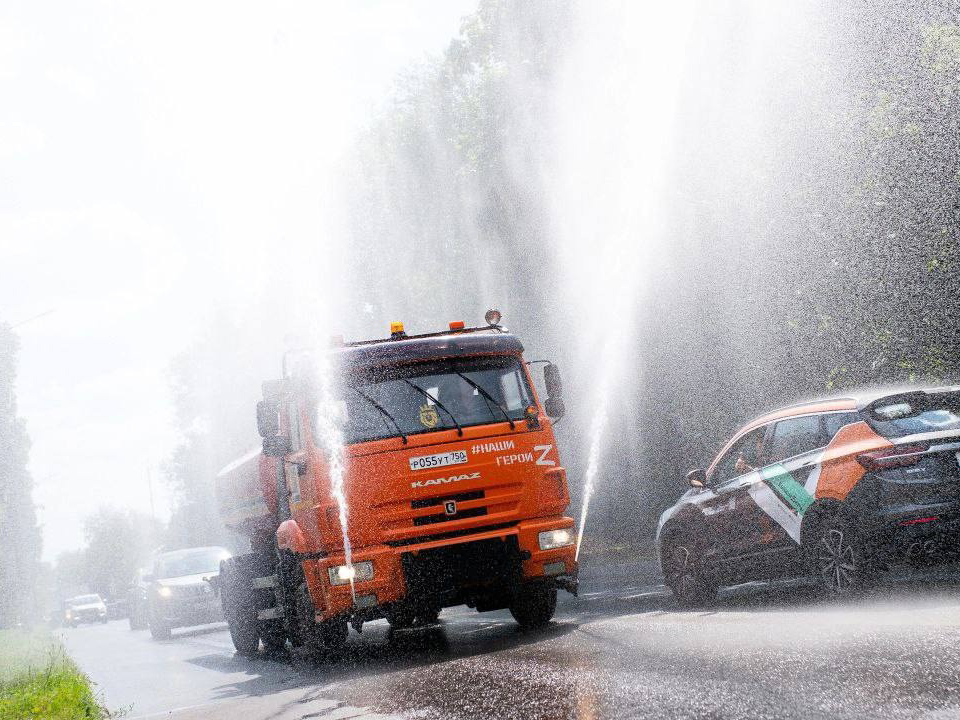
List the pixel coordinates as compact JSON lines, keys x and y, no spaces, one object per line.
{"x":333,"y":633}
{"x":236,"y":597}
{"x":684,"y":574}
{"x":402,"y":618}
{"x":534,"y":607}
{"x":406,"y":616}
{"x":318,"y":637}
{"x":274,"y":637}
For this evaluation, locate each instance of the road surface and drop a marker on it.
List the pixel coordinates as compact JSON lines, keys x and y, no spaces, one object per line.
{"x":621,"y":650}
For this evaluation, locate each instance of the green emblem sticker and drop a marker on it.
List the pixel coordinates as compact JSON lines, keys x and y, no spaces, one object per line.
{"x":789,"y":490}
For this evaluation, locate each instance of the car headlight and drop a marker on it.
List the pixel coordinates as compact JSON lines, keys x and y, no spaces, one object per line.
{"x":164,"y":592}
{"x":343,"y":574}
{"x":555,"y":538}
{"x":69,"y":614}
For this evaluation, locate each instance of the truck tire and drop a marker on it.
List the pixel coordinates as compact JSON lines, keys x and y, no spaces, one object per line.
{"x":333,"y":633}
{"x":403,"y":617}
{"x":319,"y":637}
{"x":239,"y":610}
{"x":274,"y":637}
{"x":534,"y":606}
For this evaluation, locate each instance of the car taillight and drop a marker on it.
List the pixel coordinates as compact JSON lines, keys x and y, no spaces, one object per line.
{"x":892,"y":457}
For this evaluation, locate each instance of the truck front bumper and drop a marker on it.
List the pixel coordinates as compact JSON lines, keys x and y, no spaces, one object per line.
{"x":389,"y":584}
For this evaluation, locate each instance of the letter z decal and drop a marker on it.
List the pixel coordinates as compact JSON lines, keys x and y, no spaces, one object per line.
{"x":544,"y":449}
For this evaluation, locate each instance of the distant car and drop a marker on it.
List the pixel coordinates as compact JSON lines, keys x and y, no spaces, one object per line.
{"x":835,"y":489}
{"x":84,"y":608}
{"x":183,"y":589}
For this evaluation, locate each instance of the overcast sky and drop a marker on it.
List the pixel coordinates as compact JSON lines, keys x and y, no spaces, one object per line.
{"x":149,"y":153}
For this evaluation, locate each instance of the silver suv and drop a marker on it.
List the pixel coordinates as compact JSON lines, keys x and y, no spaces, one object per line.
{"x":183,"y":589}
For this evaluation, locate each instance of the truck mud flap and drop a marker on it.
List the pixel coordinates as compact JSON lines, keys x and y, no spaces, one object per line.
{"x":570,"y":584}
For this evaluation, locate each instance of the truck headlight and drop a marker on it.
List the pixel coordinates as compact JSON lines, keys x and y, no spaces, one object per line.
{"x":555,"y":538}
{"x":343,"y":574}
{"x":164,"y":592}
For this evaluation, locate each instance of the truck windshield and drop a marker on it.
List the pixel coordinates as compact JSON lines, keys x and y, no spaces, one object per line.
{"x":424,"y":397}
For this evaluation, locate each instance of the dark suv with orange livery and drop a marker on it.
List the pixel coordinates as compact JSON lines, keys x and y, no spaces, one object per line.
{"x":834,"y":488}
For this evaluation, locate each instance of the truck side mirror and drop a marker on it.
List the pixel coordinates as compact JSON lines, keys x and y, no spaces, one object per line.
{"x":268,"y":419}
{"x":697,"y":478}
{"x":551,"y":378}
{"x":554,"y":407}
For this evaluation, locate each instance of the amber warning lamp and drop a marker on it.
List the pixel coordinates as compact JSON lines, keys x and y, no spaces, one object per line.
{"x":457,"y":325}
{"x":396,"y":331}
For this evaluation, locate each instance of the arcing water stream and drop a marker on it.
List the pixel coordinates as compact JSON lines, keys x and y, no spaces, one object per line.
{"x":614,"y":130}
{"x":328,"y":423}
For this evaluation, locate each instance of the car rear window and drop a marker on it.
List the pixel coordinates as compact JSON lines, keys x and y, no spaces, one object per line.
{"x":913,"y":413}
{"x":927,"y":421}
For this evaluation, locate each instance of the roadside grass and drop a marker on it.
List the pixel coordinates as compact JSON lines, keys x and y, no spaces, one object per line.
{"x":38,"y":680}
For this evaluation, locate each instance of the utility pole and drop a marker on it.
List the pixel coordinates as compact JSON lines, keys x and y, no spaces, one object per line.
{"x":153,"y":512}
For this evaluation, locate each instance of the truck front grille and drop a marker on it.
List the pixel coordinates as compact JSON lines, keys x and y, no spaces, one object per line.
{"x":461,"y":497}
{"x":459,"y":515}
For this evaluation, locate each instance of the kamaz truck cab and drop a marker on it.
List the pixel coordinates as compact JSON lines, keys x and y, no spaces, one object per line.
{"x":439,"y":457}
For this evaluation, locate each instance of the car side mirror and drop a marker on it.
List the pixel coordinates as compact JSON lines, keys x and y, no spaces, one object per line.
{"x":551,"y":378}
{"x":554,"y":407}
{"x":697,"y":478}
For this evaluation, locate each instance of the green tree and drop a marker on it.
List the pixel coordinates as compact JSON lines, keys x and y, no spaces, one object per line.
{"x":118,"y":542}
{"x":70,"y":575}
{"x":20,"y":538}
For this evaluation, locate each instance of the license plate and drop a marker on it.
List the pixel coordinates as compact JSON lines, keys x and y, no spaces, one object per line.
{"x":425,"y":462}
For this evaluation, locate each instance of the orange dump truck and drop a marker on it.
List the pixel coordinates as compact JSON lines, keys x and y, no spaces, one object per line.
{"x":451,"y":483}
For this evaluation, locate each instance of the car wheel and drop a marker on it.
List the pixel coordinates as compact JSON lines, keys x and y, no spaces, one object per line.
{"x":837,"y":558}
{"x":534,"y":606}
{"x":159,"y":631}
{"x":684,"y":575}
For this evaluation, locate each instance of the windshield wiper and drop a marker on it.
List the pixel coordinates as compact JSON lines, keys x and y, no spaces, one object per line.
{"x":439,"y":404}
{"x":489,"y":397}
{"x":379,"y":407}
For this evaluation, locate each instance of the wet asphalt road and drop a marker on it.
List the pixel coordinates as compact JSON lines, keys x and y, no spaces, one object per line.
{"x":621,"y":650}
